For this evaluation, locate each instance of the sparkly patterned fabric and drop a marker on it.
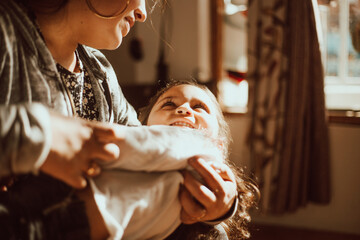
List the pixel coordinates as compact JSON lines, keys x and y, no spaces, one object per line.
{"x":80,"y":88}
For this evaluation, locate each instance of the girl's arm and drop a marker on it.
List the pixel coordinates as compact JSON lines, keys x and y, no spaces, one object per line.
{"x":162,"y":148}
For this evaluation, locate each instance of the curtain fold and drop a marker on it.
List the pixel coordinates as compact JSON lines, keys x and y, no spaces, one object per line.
{"x":288,"y":139}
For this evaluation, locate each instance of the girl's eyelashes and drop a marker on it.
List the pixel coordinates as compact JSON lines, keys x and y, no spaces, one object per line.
{"x":168,"y":103}
{"x":202,"y":106}
{"x":171,"y":104}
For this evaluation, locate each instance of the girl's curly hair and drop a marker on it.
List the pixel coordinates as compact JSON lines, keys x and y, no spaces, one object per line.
{"x":248,"y":193}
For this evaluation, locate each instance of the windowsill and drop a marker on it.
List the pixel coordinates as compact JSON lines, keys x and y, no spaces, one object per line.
{"x":234,"y":110}
{"x":344,"y":117}
{"x":341,"y":96}
{"x":234,"y":114}
{"x":335,"y":116}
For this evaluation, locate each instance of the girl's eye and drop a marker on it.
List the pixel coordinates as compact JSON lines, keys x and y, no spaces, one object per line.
{"x":168,"y":104}
{"x":201,"y":106}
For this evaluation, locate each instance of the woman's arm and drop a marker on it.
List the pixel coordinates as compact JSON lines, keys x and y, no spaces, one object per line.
{"x":25,"y":138}
{"x":33,"y":139}
{"x":98,"y":230}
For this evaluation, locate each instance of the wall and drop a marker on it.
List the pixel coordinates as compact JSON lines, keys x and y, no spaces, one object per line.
{"x":343,"y":213}
{"x":187,"y":40}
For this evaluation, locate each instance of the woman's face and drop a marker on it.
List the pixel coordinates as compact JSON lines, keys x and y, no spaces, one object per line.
{"x":100,"y":33}
{"x":185,"y":106}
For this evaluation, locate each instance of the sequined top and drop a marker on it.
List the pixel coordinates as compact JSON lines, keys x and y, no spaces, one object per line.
{"x":80,"y":88}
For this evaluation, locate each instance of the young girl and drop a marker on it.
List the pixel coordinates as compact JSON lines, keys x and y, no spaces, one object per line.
{"x":137,"y":196}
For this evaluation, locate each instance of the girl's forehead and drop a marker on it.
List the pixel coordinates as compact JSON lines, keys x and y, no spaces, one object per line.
{"x":188,"y":92}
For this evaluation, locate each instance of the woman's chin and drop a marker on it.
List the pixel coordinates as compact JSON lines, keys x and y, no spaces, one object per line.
{"x":113,"y":45}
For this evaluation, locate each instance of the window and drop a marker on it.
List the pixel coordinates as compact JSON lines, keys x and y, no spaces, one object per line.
{"x":233,"y":88}
{"x":340,"y":46}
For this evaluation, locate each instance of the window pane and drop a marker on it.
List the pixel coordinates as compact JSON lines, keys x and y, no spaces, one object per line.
{"x":330,"y":23}
{"x":354,"y":39}
{"x":233,"y":88}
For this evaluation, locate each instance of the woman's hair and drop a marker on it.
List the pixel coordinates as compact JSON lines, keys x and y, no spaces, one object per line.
{"x":248,"y":193}
{"x":44,"y":6}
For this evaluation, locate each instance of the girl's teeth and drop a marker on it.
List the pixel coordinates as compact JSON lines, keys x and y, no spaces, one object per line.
{"x":182,"y":124}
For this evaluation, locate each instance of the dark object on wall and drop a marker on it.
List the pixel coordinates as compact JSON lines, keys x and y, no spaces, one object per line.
{"x":139,"y":95}
{"x":136,"y":49}
{"x":162,"y":72}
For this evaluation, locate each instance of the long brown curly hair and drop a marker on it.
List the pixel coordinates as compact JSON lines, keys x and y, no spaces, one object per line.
{"x":248,"y":193}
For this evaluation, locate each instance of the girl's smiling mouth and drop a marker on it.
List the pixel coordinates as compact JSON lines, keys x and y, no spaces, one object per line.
{"x":182,"y":124}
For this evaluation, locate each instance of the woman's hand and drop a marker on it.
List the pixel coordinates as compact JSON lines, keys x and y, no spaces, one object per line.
{"x":211,"y":200}
{"x":75,"y":144}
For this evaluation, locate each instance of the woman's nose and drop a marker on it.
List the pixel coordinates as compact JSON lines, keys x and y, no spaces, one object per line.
{"x":140,"y":12}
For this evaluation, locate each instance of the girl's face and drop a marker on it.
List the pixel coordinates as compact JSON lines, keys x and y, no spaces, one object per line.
{"x":102,"y":33}
{"x":185,"y":106}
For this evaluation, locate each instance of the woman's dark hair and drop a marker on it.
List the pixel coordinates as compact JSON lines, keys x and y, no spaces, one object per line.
{"x":248,"y":193}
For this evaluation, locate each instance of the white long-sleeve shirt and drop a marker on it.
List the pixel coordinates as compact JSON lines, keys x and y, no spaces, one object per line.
{"x":137,"y":195}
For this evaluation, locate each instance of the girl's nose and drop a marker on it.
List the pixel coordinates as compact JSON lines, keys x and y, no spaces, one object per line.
{"x":182,"y":110}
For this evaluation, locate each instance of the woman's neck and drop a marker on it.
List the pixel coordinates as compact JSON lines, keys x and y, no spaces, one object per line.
{"x":60,"y":38}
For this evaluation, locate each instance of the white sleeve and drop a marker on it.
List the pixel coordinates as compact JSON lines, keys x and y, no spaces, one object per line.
{"x":163,"y":148}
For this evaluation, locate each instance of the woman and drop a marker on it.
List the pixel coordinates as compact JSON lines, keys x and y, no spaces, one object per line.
{"x":49,"y":79}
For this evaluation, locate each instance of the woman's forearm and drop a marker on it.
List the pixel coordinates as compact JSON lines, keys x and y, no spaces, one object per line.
{"x":25,"y":138}
{"x":98,"y":230}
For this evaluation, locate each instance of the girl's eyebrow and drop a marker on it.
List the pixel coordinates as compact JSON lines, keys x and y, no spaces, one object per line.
{"x":165,"y":98}
{"x":204,"y":104}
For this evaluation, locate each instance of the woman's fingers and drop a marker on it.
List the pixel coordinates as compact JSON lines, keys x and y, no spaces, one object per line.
{"x":224,"y":171}
{"x":64,"y":170}
{"x":191,"y":211}
{"x":93,"y":170}
{"x":78,"y":181}
{"x":76,"y":143}
{"x":105,"y":132}
{"x":212,"y":179}
{"x":105,"y":152}
{"x":106,"y":136}
{"x":198,"y":190}
{"x":216,"y":191}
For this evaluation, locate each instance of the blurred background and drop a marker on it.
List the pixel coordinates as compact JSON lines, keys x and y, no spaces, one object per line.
{"x":209,"y":41}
